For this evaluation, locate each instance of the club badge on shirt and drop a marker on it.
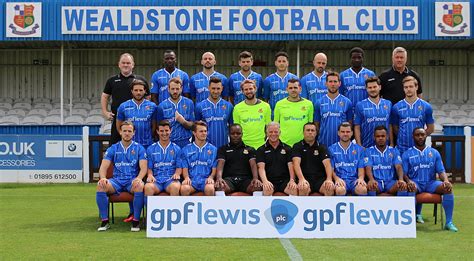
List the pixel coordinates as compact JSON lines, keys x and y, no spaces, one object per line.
{"x":246,"y":151}
{"x":354,"y":152}
{"x":316,"y":153}
{"x":341,"y":103}
{"x":283,"y":151}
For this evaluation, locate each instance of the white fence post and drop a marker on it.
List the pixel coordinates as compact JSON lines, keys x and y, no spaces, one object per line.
{"x":467,"y":154}
{"x":85,"y":154}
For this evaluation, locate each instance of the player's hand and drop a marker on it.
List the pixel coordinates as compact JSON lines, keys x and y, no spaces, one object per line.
{"x":187,"y":181}
{"x":448,"y":186}
{"x":372,"y":185}
{"x":411,"y":186}
{"x":176,"y":176}
{"x":303,"y":184}
{"x":179,"y":118}
{"x":340,"y":183}
{"x":328,"y":185}
{"x":103,"y":183}
{"x":209,"y":180}
{"x":255,"y":183}
{"x":108,"y":115}
{"x":361,"y":182}
{"x":150,"y":179}
{"x":292,"y":184}
{"x":220,"y":184}
{"x":136,"y":182}
{"x":267,"y":185}
{"x":402,"y":185}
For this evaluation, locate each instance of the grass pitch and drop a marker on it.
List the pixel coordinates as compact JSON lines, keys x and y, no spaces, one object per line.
{"x":51,"y":222}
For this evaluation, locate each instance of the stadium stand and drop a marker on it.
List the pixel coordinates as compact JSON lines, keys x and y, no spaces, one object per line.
{"x":41,"y":105}
{"x":105,"y":129}
{"x":55,"y":112}
{"x":74,"y":119}
{"x":94,"y":119}
{"x":16,"y":112}
{"x":5,"y":105}
{"x":85,"y":106}
{"x":32,"y":120}
{"x":449,"y":107}
{"x":38,"y":112}
{"x":10,"y":120}
{"x":41,"y":100}
{"x":22,"y":105}
{"x":52,"y":120}
{"x":80,"y":112}
{"x":95,"y":112}
{"x":6,"y":100}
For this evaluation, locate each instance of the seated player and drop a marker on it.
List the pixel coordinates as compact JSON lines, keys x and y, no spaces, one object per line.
{"x":312,"y":164}
{"x":275,"y":167}
{"x":130,"y":167}
{"x":347,"y":160}
{"x":236,"y":165}
{"x":198,"y":161}
{"x":382,"y":163}
{"x":421,"y":163}
{"x":163,"y":175}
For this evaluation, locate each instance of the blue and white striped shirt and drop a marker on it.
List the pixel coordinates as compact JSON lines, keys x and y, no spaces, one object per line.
{"x":199,"y":85}
{"x":166,"y":111}
{"x":198,"y":161}
{"x":422,"y":166}
{"x":408,"y":117}
{"x":274,"y":88}
{"x":369,"y":115}
{"x":163,"y":161}
{"x":383,"y":162}
{"x":353,"y":84}
{"x":313,"y":87}
{"x":234,"y":85}
{"x":346,"y":162}
{"x":126,"y":161}
{"x":218,"y":118}
{"x":330,"y":114}
{"x":142,"y":117}
{"x":160,"y":79}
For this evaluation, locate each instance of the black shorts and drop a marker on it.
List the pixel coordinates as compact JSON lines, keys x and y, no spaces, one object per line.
{"x":114,"y":135}
{"x":238,"y":183}
{"x":315,"y":183}
{"x":279,"y":185}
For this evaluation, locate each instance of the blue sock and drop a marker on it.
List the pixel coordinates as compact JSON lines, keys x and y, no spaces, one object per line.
{"x":419,"y":207}
{"x":402,"y":193}
{"x":448,"y":205}
{"x":145,"y":201}
{"x":372,"y":193}
{"x":103,"y":204}
{"x":137,"y":205}
{"x":130,"y":206}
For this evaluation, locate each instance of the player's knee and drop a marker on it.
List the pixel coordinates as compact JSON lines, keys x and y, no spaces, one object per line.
{"x":340,"y":191}
{"x":174,"y":188}
{"x":209,"y":190}
{"x":267,"y":192}
{"x":185,"y":190}
{"x":293,"y":191}
{"x":149,"y":189}
{"x":327,"y":192}
{"x":360,"y":190}
{"x":304,"y":191}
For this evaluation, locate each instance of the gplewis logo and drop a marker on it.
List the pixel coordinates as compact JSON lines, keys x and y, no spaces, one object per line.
{"x":281,"y":215}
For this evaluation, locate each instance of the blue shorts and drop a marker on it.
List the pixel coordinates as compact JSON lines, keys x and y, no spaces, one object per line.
{"x":350,"y":185}
{"x":386,"y":185}
{"x":198,"y":184}
{"x":429,"y":186}
{"x":121,"y":185}
{"x":162,"y":186}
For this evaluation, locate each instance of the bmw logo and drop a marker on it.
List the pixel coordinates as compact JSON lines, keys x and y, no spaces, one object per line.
{"x":71,"y":147}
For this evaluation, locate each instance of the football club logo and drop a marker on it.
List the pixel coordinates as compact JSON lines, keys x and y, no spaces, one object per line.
{"x":341,"y":104}
{"x":354,"y":152}
{"x":283,"y":151}
{"x":316,"y":153}
{"x":420,"y":108}
{"x":260,"y":110}
{"x":133,"y":152}
{"x":385,"y":107}
{"x":171,"y":152}
{"x":430,"y":155}
{"x":390,"y":155}
{"x":224,"y":107}
{"x":452,"y":19}
{"x":303,"y":108}
{"x":281,"y":215}
{"x":209,"y":152}
{"x":24,"y":19}
{"x":184,"y":106}
{"x":246,"y":151}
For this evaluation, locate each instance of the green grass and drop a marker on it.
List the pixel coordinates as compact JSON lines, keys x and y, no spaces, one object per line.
{"x":60,"y":222}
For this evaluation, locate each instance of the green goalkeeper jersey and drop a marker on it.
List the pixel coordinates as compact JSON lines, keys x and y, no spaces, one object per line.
{"x":292,"y":117}
{"x":253,"y":119}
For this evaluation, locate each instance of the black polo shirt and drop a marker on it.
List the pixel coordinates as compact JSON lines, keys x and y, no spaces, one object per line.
{"x":276,"y":160}
{"x":237,"y":159}
{"x":311,"y":158}
{"x":392,"y":87}
{"x":118,"y":87}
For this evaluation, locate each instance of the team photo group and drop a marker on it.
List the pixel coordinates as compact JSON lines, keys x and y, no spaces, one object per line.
{"x":327,"y":133}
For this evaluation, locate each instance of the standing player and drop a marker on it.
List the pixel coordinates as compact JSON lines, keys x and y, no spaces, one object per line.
{"x":217,"y":113}
{"x":391,"y":79}
{"x":198,"y":161}
{"x":160,"y":78}
{"x":382,"y":163}
{"x":370,"y":113}
{"x":179,"y":111}
{"x":353,"y":79}
{"x":235,"y":92}
{"x":118,"y":88}
{"x":409,"y":114}
{"x":275,"y":167}
{"x":347,"y":160}
{"x":163,"y":174}
{"x":312,"y":164}
{"x":293,"y":113}
{"x":313,"y":84}
{"x":274,"y":86}
{"x":236,"y":165}
{"x":198,"y":85}
{"x":421,"y":163}
{"x":252,"y":114}
{"x":331,"y":110}
{"x":130,"y":166}
{"x":141,"y":112}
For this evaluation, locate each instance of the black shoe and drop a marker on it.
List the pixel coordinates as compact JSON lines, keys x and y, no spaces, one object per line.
{"x":135,"y":226}
{"x":104,"y":226}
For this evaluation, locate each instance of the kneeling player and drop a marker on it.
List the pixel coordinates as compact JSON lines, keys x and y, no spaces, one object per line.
{"x":163,"y":175}
{"x":382,"y":162}
{"x":198,"y":161}
{"x":130,"y":167}
{"x":347,"y":160}
{"x":236,"y":166}
{"x":312,"y":164}
{"x":274,"y":164}
{"x":420,"y":165}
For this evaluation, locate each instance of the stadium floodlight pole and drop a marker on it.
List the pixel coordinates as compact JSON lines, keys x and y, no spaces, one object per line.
{"x":61,"y":84}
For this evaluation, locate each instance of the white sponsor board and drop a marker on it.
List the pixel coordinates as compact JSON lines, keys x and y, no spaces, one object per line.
{"x":40,"y":176}
{"x":281,"y":217}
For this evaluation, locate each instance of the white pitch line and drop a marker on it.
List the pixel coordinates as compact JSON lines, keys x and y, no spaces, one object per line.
{"x":293,"y":254}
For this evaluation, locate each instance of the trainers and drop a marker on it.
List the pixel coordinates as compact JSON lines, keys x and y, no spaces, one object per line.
{"x":104,"y":226}
{"x":128,"y":219}
{"x":419,"y":219}
{"x":135,"y":226}
{"x":451,"y":227}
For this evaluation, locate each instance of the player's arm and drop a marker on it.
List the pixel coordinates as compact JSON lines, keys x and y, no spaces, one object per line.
{"x":179,"y":118}
{"x":361,"y":176}
{"x":219,"y":172}
{"x":391,"y":135}
{"x":186,"y":179}
{"x":104,"y":166}
{"x":143,"y":163}
{"x":210,"y":179}
{"x":253,"y":167}
{"x":150,"y":178}
{"x":328,"y":184}
{"x":104,"y":101}
{"x":402,"y":185}
{"x":429,"y":129}
{"x":357,"y":134}
{"x":372,"y":184}
{"x":263,"y":176}
{"x":299,"y":173}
